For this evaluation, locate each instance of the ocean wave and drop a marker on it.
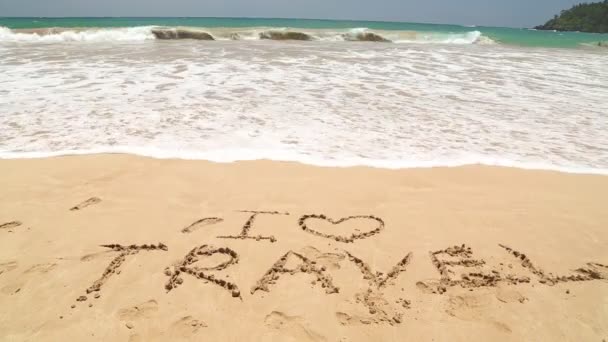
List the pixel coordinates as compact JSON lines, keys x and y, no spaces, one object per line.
{"x":364,"y":35}
{"x":288,"y":35}
{"x":236,"y":155}
{"x":179,"y":33}
{"x":53,"y":35}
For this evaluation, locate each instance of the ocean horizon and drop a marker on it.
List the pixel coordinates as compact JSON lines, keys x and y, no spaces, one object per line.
{"x":262,"y":18}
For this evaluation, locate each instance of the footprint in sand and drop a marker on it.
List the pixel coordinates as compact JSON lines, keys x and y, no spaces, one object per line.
{"x":82,"y":205}
{"x":136,"y":338}
{"x":429,"y":286}
{"x":509,"y":295}
{"x":371,"y":308}
{"x":8,"y":266}
{"x":330,"y":260}
{"x":468,"y":306}
{"x":472,"y":307}
{"x":31,"y":272}
{"x":143,"y":310}
{"x":291,"y":328}
{"x":185,"y":327}
{"x":346,"y":319}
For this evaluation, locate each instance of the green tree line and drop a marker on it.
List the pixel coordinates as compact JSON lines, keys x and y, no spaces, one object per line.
{"x":585,"y":17}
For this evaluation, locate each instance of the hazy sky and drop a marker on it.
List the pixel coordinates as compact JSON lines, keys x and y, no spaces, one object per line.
{"x":516,"y":13}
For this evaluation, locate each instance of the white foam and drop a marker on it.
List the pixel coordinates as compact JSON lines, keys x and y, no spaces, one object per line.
{"x":231,"y":156}
{"x":379,"y":105}
{"x":466,"y":38}
{"x":88,"y":35}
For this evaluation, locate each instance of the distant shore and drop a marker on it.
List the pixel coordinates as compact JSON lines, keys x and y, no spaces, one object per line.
{"x":582,"y":17}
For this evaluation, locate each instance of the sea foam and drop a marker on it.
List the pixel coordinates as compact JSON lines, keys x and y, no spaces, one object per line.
{"x":320,"y":103}
{"x":231,"y":156}
{"x":85,"y":35}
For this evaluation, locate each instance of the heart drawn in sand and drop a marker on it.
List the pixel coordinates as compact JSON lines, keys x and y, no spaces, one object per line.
{"x":378,"y":223}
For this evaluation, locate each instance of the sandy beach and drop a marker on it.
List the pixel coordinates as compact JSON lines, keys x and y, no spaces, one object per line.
{"x":124,"y":248}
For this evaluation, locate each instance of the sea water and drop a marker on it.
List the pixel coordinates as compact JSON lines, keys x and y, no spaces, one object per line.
{"x":393,"y":95}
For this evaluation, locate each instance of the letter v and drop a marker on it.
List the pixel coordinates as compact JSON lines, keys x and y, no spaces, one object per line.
{"x":376,"y":278}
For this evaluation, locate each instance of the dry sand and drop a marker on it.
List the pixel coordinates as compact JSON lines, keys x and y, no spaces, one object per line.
{"x":388,"y":273}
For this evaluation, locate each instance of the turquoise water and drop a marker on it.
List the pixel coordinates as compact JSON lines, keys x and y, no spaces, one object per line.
{"x":510,"y":36}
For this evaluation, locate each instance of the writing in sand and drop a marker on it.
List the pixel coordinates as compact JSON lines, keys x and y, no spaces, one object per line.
{"x":456,"y":265}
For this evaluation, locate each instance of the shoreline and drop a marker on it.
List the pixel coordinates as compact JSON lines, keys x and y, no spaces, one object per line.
{"x":371,"y":164}
{"x":240,"y":220}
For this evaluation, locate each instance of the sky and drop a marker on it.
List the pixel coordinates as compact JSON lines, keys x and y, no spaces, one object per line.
{"x":509,"y":13}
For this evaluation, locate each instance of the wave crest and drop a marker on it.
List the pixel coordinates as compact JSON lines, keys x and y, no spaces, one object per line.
{"x":53,"y":35}
{"x":363,"y":35}
{"x":181,"y":33}
{"x":285,"y":35}
{"x":142,"y":33}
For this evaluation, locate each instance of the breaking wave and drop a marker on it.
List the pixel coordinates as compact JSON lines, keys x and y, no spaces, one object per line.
{"x":52,"y":35}
{"x":143,"y":33}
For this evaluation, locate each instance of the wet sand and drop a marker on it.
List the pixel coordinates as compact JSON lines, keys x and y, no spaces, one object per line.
{"x":125,"y":248}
